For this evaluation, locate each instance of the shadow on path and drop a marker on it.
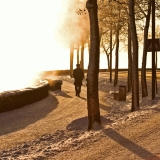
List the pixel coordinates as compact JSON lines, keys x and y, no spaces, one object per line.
{"x":128,"y":144}
{"x":102,"y":106}
{"x":17,"y":119}
{"x":105,"y":107}
{"x":83,"y":98}
{"x":60,"y":93}
{"x":82,"y":123}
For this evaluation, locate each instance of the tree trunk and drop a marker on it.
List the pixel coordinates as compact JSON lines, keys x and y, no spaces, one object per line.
{"x":71,"y":60}
{"x":156,"y":75}
{"x":129,"y":82}
{"x":82,"y":55}
{"x":144,"y":58}
{"x":135,"y":80}
{"x":93,"y":68}
{"x":116,"y":58}
{"x":108,"y":60}
{"x":78,"y":55}
{"x":89,"y":48}
{"x":110,"y":69}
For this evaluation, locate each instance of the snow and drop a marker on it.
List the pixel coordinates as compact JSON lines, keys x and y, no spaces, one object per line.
{"x":76,"y":136}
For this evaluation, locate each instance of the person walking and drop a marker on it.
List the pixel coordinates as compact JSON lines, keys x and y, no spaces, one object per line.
{"x":78,"y":75}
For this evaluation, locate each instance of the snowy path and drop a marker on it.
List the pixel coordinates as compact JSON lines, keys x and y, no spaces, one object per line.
{"x":56,"y":128}
{"x":61,"y":110}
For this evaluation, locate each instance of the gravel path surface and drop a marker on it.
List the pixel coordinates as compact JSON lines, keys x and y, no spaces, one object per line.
{"x":56,"y":128}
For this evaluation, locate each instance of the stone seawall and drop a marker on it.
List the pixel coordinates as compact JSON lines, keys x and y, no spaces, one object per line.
{"x":10,"y":100}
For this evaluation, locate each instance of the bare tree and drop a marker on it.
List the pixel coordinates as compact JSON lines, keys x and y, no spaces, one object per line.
{"x":71,"y":59}
{"x":144,"y":58}
{"x":116,"y":56}
{"x":135,"y":80}
{"x":82,"y":55}
{"x":129,"y":80}
{"x":110,"y":63}
{"x":93,"y":67}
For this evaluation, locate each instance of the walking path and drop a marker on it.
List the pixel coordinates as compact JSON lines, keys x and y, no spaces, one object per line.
{"x":53,"y":113}
{"x":56,"y":128}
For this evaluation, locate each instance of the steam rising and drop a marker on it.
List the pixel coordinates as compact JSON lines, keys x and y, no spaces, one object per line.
{"x":31,"y":34}
{"x":28,"y":40}
{"x":74,"y":26}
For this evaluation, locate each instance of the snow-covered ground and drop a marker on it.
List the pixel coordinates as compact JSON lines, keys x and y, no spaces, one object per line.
{"x":73,"y":140}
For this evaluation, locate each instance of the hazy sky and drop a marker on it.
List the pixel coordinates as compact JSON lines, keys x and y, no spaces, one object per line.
{"x":28,"y":36}
{"x":27,"y":33}
{"x":28,"y":41}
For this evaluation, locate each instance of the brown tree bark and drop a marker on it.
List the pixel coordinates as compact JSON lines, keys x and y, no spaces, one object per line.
{"x":110,"y":69}
{"x":116,"y":58}
{"x":144,"y":58}
{"x":108,"y":60}
{"x":71,"y":59}
{"x":135,"y":80}
{"x":129,"y":81}
{"x":117,"y":51}
{"x":82,"y":55}
{"x":156,"y":75}
{"x":78,"y":55}
{"x":93,"y":67}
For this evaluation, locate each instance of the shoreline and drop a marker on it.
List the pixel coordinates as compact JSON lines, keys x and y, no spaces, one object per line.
{"x":67,"y":71}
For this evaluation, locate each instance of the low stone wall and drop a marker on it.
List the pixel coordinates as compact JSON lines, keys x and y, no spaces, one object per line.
{"x":54,"y":84}
{"x":10,"y":100}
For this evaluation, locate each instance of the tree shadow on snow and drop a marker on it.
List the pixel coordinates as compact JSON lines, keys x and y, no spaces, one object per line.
{"x":82,"y":124}
{"x":129,"y":145}
{"x":102,"y":106}
{"x":83,"y":98}
{"x":105,"y":107}
{"x":60,"y":93}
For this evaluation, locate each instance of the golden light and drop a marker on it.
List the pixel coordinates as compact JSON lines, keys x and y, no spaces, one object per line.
{"x":28,"y":40}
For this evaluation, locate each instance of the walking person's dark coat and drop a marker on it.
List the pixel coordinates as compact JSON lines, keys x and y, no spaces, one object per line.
{"x":78,"y":75}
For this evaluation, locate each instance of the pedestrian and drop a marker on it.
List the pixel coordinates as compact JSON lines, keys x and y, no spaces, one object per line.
{"x":78,"y":75}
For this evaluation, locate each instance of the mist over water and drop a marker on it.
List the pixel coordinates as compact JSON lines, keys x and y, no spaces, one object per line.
{"x":27,"y":40}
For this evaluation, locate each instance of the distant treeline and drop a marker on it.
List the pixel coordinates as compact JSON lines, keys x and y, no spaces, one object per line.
{"x":67,"y":72}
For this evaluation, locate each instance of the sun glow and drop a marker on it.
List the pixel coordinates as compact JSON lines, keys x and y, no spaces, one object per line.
{"x":28,"y":40}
